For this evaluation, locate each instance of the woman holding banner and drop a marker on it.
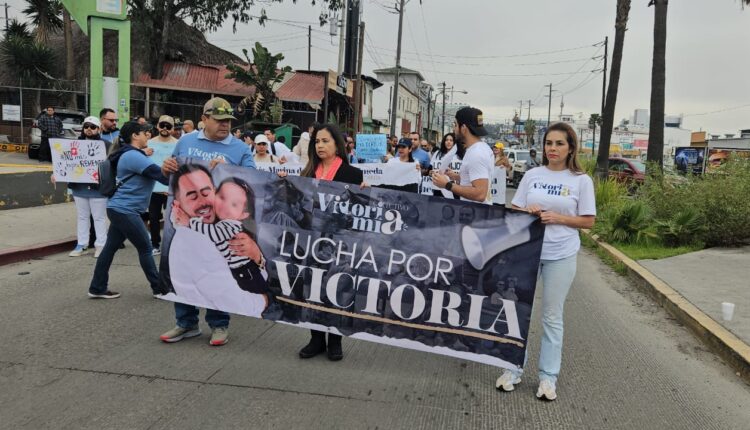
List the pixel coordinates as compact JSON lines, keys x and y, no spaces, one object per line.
{"x":562,"y":195}
{"x":450,"y":151}
{"x":328,"y":162}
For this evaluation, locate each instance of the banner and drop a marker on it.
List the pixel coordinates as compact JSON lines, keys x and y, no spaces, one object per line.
{"x":396,"y":174}
{"x":689,"y":160}
{"x":371,"y":147}
{"x":498,"y":186}
{"x":425,"y":273}
{"x":77,"y":160}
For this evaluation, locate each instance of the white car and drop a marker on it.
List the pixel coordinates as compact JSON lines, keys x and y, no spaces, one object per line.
{"x":519,"y":165}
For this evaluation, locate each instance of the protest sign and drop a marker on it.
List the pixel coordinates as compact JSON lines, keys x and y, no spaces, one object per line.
{"x":162,"y":151}
{"x":371,"y":147}
{"x":431,"y":274}
{"x":498,"y":186}
{"x":77,"y":160}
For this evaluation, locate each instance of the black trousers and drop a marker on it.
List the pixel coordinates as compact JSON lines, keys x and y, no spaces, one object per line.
{"x":45,"y":153}
{"x":155,"y":207}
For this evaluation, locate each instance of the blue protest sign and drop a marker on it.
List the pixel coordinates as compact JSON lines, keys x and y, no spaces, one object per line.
{"x":371,"y":147}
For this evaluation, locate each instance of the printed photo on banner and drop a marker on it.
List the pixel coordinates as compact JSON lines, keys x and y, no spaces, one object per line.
{"x":689,"y":160}
{"x":426,"y":273}
{"x":718,"y":156}
{"x":77,"y":160}
{"x":371,"y":148}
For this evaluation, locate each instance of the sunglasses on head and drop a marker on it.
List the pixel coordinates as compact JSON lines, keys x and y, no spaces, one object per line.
{"x":165,"y":125}
{"x":90,"y":127}
{"x":220,"y":111}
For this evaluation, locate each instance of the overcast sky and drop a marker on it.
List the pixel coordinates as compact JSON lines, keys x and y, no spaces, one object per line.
{"x":707,"y":52}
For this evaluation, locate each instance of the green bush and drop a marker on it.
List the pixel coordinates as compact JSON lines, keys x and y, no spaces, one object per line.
{"x":629,"y":223}
{"x":719,"y":201}
{"x":684,"y":228}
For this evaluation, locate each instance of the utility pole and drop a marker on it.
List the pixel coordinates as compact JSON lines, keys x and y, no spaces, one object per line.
{"x":394,"y":108}
{"x":344,"y":12}
{"x":528,"y":117}
{"x":309,"y":45}
{"x":562,"y":105}
{"x":443,"y":122}
{"x":604,"y":77}
{"x":6,"y":17}
{"x":549,"y":107}
{"x":360,"y":87}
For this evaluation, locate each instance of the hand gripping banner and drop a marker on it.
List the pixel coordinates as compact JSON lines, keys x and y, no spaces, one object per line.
{"x":420,"y":272}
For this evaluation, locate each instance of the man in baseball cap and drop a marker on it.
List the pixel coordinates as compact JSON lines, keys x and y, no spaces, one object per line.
{"x":219,"y":109}
{"x":472,"y":181}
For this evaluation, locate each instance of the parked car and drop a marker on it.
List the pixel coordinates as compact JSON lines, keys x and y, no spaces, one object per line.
{"x":627,"y":170}
{"x":72,"y":125}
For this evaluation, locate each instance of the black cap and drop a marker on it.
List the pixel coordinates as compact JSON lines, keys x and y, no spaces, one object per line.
{"x":472,"y":118}
{"x":404,"y":141}
{"x":130,"y":128}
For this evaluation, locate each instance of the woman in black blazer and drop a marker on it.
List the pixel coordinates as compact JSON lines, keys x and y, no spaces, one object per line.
{"x":328,"y":161}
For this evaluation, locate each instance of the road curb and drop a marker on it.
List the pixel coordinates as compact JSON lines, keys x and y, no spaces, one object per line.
{"x":15,"y":255}
{"x":725,"y":343}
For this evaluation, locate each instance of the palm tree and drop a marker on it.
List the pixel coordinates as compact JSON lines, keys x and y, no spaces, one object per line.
{"x":263,"y":73}
{"x":45,"y":15}
{"x":621,"y":22}
{"x":530,"y":129}
{"x":33,"y":62}
{"x":655,"y":152}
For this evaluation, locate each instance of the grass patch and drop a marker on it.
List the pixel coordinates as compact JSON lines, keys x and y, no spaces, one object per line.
{"x":654,"y":251}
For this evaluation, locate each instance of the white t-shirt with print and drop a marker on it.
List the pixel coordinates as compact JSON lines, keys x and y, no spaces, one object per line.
{"x":563,"y":192}
{"x":478,"y":163}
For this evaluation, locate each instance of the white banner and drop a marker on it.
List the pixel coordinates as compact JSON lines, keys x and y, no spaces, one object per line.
{"x":498,"y":186}
{"x":77,"y":160}
{"x":398,"y":174}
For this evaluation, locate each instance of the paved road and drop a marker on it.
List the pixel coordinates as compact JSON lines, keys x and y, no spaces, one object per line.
{"x":69,"y":362}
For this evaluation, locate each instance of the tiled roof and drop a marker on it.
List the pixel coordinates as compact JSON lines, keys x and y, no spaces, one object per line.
{"x":195,"y":78}
{"x":303,"y":88}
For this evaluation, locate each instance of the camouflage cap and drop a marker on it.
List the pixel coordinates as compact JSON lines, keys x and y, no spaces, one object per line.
{"x":218,"y":109}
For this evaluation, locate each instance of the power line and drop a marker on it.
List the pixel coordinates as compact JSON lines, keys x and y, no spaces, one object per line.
{"x":717,"y":111}
{"x":507,"y":56}
{"x":513,"y":75}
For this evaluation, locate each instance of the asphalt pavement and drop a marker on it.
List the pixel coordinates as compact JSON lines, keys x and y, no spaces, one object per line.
{"x":70,"y":362}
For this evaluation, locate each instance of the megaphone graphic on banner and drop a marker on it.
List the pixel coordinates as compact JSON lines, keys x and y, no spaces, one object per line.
{"x":481,"y":244}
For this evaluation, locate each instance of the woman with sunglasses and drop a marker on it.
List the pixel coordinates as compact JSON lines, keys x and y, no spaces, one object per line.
{"x":91,"y":205}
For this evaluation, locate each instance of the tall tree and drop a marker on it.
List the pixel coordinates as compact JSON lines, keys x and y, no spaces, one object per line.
{"x":45,"y":16}
{"x":608,"y":116}
{"x":33,"y":62}
{"x":529,"y":128}
{"x":263,"y":74}
{"x":155,"y":19}
{"x":655,"y":152}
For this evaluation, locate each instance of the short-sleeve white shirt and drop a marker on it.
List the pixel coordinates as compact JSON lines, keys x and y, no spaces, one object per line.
{"x":563,"y":192}
{"x":478,"y":163}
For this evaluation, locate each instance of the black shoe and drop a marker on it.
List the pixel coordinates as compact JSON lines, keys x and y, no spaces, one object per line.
{"x":317,"y":345}
{"x":334,"y":348}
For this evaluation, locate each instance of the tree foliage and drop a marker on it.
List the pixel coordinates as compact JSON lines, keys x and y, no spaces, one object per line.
{"x":263,"y":74}
{"x":529,"y":128}
{"x":46,"y":16}
{"x":32,"y":61}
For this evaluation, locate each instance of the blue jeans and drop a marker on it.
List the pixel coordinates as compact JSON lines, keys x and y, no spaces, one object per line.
{"x":187,"y":316}
{"x":124,"y":226}
{"x":557,"y":277}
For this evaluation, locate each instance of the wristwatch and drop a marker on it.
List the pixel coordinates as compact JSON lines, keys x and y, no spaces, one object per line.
{"x":449,"y":185}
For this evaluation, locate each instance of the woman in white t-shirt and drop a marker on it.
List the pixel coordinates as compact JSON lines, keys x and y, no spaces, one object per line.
{"x":562,"y":195}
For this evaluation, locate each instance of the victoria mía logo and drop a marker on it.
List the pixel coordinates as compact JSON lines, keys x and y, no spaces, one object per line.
{"x":369,"y":218}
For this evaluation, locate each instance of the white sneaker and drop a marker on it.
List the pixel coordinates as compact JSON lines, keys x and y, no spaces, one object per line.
{"x":546,"y":390}
{"x":98,"y":251}
{"x":155,"y":252}
{"x":78,"y":251}
{"x":507,"y":381}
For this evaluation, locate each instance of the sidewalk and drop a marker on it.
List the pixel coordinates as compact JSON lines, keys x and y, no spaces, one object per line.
{"x":37,"y":231}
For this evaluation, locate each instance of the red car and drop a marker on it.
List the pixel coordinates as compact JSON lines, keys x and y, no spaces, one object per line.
{"x":626,"y":170}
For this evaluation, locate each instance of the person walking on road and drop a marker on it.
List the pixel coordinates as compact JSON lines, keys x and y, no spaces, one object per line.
{"x":51,"y":126}
{"x":212,"y":143}
{"x":475,"y":175}
{"x":91,"y":205}
{"x":562,"y":195}
{"x":137,"y":174}
{"x":328,"y":162}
